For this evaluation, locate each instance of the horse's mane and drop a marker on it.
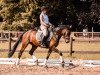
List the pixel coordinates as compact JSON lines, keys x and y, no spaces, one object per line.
{"x":60,"y":28}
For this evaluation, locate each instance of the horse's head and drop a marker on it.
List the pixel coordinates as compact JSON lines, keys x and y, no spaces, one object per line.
{"x":65,"y":32}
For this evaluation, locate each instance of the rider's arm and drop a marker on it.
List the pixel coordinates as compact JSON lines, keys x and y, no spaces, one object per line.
{"x":41,"y":20}
{"x":50,"y":24}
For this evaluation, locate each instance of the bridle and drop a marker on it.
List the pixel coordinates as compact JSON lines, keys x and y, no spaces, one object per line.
{"x":66,"y":36}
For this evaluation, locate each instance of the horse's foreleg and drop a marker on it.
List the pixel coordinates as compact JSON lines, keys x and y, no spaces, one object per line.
{"x":48,"y":55}
{"x":31,"y":53}
{"x":61,"y":56}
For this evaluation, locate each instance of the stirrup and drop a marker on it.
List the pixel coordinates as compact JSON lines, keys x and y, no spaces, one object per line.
{"x":43,"y":45}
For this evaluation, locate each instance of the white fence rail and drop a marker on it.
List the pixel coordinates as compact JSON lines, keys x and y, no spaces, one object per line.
{"x":7,"y":60}
{"x":50,"y":62}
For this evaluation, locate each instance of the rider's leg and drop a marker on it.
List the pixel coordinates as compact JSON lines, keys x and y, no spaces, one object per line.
{"x":44,"y":37}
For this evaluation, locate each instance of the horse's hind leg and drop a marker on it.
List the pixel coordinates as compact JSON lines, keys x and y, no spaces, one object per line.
{"x":24,"y":45}
{"x":32,"y":51}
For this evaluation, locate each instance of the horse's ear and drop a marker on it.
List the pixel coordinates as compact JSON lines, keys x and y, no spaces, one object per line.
{"x":69,"y":26}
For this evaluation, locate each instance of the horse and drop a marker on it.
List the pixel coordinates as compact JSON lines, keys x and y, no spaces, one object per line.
{"x":29,"y":37}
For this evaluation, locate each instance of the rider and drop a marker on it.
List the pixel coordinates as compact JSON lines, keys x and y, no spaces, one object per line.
{"x":45,"y":24}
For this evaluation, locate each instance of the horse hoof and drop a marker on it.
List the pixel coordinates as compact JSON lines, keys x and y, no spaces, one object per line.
{"x":63,"y":64}
{"x":71,"y":64}
{"x":17,"y":62}
{"x":45,"y":66}
{"x":36,"y":62}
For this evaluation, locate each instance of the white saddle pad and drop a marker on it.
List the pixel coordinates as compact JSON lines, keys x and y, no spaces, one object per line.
{"x":39,"y":35}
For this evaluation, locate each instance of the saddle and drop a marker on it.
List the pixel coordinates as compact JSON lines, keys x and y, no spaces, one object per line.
{"x":39,"y":35}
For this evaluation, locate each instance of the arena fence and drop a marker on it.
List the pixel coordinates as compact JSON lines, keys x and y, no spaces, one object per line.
{"x":75,"y":37}
{"x":50,"y":62}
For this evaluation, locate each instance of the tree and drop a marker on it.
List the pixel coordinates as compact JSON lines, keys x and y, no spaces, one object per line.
{"x":24,"y":14}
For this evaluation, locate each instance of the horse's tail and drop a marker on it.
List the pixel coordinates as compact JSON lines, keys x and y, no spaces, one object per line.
{"x":10,"y":54}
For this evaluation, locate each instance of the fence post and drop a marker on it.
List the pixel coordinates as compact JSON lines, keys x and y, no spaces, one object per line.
{"x":92,"y":33}
{"x":9,"y":42}
{"x":71,"y":46}
{"x":2,"y":36}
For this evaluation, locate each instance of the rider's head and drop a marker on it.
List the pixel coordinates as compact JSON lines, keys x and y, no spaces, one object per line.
{"x":44,"y":9}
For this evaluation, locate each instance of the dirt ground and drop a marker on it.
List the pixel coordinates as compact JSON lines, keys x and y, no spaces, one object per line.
{"x":40,"y":70}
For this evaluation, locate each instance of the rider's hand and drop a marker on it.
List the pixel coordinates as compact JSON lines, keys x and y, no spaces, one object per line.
{"x":47,"y":25}
{"x":52,"y":26}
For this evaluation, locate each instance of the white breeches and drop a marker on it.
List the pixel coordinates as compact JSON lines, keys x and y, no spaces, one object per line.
{"x":44,"y":30}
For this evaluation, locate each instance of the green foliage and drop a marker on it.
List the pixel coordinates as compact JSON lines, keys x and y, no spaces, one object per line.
{"x":17,"y":16}
{"x":24,"y":14}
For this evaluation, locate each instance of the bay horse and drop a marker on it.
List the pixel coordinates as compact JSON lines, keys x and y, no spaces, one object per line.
{"x":29,"y":37}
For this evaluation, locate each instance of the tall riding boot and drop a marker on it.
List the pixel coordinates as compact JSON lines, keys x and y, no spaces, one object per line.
{"x":43,"y":42}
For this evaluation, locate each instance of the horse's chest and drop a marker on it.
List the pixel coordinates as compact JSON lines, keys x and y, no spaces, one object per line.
{"x":57,"y":40}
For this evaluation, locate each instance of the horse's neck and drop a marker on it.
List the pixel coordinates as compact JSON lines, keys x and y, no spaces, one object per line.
{"x":58,"y":36}
{"x":57,"y":39}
